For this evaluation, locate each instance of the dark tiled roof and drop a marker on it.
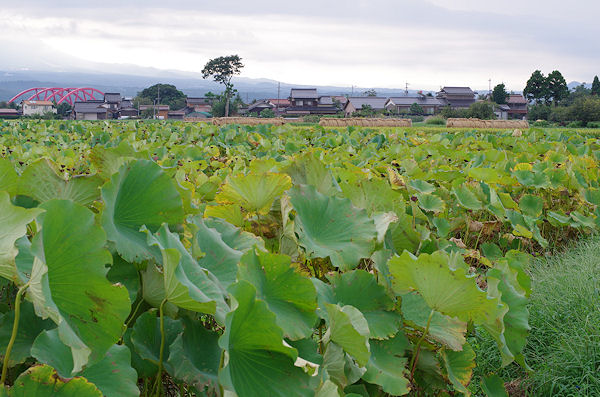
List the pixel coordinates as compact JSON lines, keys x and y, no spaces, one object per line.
{"x":504,"y":107}
{"x":312,"y":109}
{"x":9,"y":111}
{"x":421,"y":100}
{"x":198,"y":100}
{"x":458,"y":90}
{"x":304,"y":93}
{"x":326,"y":100}
{"x":89,"y":107}
{"x":375,"y":102}
{"x":514,"y":99}
{"x":261,"y":104}
{"x":158,"y":107}
{"x":112,"y":97}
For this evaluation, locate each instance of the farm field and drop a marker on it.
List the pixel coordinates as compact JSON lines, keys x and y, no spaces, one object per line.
{"x":156,"y":258}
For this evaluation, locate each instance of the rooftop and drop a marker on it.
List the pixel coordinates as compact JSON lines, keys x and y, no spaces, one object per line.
{"x":304,"y":93}
{"x":373,"y":101}
{"x":458,"y":90}
{"x":89,"y":107}
{"x":420,"y":99}
{"x":41,"y":103}
{"x":516,"y":99}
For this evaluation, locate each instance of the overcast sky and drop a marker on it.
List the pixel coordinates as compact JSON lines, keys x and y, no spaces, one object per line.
{"x":369,"y":43}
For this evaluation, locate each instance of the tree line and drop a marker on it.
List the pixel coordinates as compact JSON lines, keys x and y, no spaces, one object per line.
{"x":551,"y":100}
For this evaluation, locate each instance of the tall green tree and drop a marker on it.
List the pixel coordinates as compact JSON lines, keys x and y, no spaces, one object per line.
{"x":222,"y":70}
{"x":536,"y":87}
{"x":370,"y":92}
{"x":596,"y":86}
{"x":168,"y":94}
{"x":499,"y":94}
{"x":557,"y":87}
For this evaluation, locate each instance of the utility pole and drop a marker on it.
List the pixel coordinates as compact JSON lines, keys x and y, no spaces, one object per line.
{"x":406,"y":89}
{"x":352,"y":90}
{"x":278,"y":90}
{"x":490,"y":86}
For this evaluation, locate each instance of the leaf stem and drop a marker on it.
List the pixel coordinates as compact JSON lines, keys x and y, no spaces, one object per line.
{"x":15,"y":329}
{"x":413,"y":362}
{"x":157,"y":385}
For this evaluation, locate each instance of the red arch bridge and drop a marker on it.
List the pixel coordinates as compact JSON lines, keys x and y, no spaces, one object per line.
{"x":59,"y":94}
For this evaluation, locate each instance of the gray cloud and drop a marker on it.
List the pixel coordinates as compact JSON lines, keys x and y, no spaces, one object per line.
{"x":418,"y":40}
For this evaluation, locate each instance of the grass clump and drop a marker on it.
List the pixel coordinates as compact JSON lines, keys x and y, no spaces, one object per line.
{"x":563,"y":347}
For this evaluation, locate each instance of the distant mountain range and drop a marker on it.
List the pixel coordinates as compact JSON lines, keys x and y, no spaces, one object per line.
{"x":192,"y":84}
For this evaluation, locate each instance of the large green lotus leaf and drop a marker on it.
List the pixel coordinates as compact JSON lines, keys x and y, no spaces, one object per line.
{"x":8,"y":177}
{"x":145,"y":337}
{"x":30,"y":326}
{"x":421,"y":186}
{"x":349,"y":329}
{"x":24,"y":259}
{"x":387,"y":365}
{"x":187,"y":284}
{"x":444,"y":329}
{"x":307,"y":169}
{"x":531,"y":205}
{"x":372,"y":301}
{"x":231,"y":213}
{"x":254,"y":192}
{"x":195,"y":357}
{"x":257,"y":362}
{"x":49,"y":349}
{"x":449,"y":292}
{"x":489,"y":175}
{"x":431,"y":202}
{"x":113,"y":374}
{"x":13,"y":225}
{"x":328,"y":389}
{"x":459,"y":367}
{"x":289,"y":295}
{"x":108,"y":161}
{"x":233,"y":236}
{"x":592,"y":196}
{"x":332,"y":227}
{"x":467,"y":198}
{"x":503,"y":282}
{"x":340,"y":367}
{"x":153,"y":289}
{"x":401,"y":236}
{"x":125,"y":273}
{"x":139,"y":194}
{"x":69,"y":282}
{"x":493,"y":386}
{"x":42,"y":381}
{"x":41,"y":182}
{"x":374,"y":195}
{"x":217,"y":256}
{"x":144,"y":368}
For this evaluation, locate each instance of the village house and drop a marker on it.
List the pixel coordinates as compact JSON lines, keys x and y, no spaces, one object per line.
{"x":161,"y":111}
{"x":402,"y":104}
{"x":31,"y":108}
{"x":6,"y":113}
{"x":356,"y":103}
{"x":258,"y":106}
{"x":280,"y":104}
{"x":198,"y":104}
{"x":501,"y":111}
{"x":456,"y":97}
{"x":305,"y":101}
{"x":518,"y":106}
{"x":90,"y":110}
{"x":126,"y":109}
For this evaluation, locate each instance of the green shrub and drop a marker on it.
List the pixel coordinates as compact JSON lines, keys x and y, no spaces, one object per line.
{"x":311,"y":118}
{"x":435,"y":121}
{"x":593,"y":124}
{"x":541,"y":123}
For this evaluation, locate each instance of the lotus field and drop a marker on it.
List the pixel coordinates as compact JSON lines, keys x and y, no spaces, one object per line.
{"x":169,"y":258}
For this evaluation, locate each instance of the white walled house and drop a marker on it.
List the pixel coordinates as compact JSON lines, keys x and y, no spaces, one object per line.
{"x":31,"y":108}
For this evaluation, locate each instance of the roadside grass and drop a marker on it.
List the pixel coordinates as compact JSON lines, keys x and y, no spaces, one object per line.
{"x":563,"y":347}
